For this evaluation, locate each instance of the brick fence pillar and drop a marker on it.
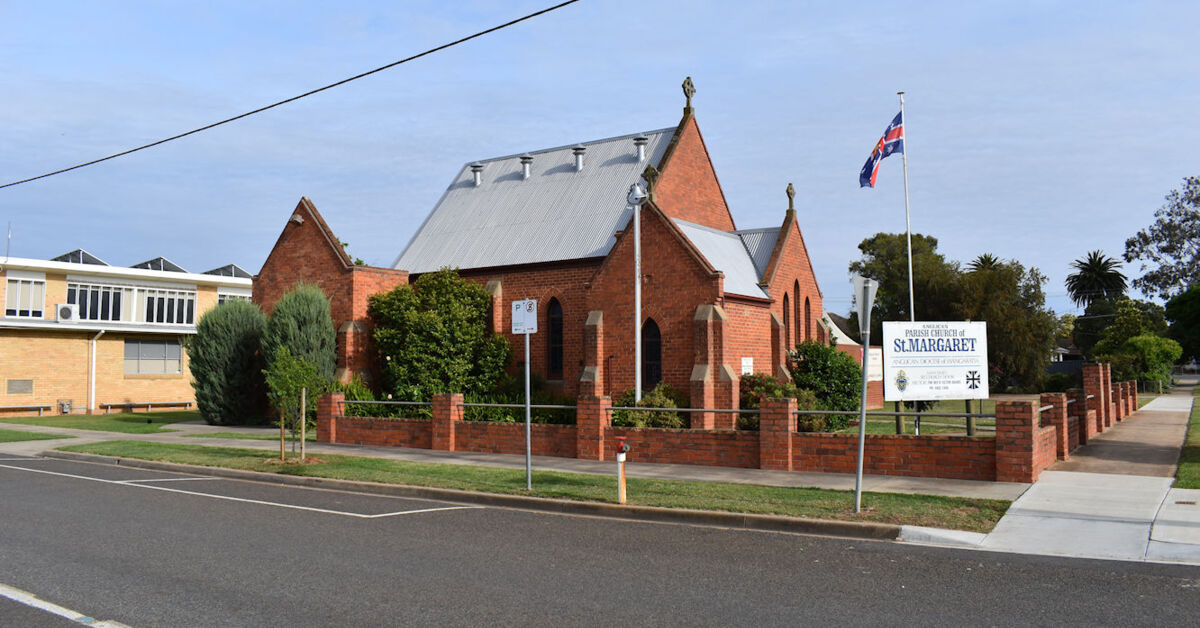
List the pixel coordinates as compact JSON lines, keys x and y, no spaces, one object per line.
{"x":1017,"y":424}
{"x":1109,"y":404}
{"x":447,"y":414}
{"x":776,"y":428}
{"x":1083,"y":415}
{"x":1133,"y":395}
{"x":1057,"y":416}
{"x":1122,"y":396}
{"x":1093,"y":386}
{"x":592,"y":419}
{"x":329,"y":410}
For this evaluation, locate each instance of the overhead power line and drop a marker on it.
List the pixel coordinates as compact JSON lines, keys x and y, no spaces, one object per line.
{"x":295,"y":98}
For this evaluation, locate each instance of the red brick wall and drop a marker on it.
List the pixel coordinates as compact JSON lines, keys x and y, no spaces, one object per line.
{"x":674,"y":284}
{"x":791,"y":271}
{"x":688,"y":188}
{"x":748,"y":335}
{"x":509,"y":438}
{"x":569,"y":284}
{"x":382,"y":432}
{"x":715,"y":448}
{"x":954,"y":457}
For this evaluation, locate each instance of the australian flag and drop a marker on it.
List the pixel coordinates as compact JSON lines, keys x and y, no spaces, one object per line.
{"x":891,"y":142}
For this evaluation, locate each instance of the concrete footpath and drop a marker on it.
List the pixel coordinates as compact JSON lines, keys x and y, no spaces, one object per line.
{"x":1112,"y":500}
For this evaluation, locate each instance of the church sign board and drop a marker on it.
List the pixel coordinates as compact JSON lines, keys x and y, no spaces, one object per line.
{"x":929,"y":361}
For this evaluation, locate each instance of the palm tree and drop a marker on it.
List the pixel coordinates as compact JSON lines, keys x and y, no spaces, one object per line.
{"x":1097,"y":277}
{"x":986,"y":261}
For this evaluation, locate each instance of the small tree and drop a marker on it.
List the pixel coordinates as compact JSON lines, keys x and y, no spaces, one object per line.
{"x":301,"y":322}
{"x":832,"y":376}
{"x":226,"y":363}
{"x":1146,"y":357}
{"x":433,"y":336}
{"x":286,"y":377}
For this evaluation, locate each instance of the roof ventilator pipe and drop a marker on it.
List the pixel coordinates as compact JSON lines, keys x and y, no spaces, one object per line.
{"x":477,"y":173}
{"x":526,"y":166}
{"x":578,"y":151}
{"x":640,"y":141}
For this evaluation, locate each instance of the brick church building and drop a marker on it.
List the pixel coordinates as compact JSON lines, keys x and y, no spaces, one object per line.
{"x":554,"y":225}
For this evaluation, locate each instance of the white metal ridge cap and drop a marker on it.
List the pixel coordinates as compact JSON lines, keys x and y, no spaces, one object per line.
{"x":628,"y":136}
{"x":121,"y":271}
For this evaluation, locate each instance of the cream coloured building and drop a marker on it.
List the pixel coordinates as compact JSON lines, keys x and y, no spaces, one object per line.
{"x":82,"y":336}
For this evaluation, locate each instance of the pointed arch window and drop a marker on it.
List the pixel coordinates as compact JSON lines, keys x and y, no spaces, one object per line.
{"x":787,"y":323}
{"x":808,"y":330}
{"x":651,"y":355}
{"x":554,"y":340}
{"x":796,"y":312}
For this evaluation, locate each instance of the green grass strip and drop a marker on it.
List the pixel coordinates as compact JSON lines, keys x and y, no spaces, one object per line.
{"x":1188,"y":474}
{"x":924,"y":510}
{"x":12,"y":436}
{"x":124,"y":422}
{"x":263,"y":435}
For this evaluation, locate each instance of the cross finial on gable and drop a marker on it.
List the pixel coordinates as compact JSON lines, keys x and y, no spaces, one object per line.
{"x":689,"y":90}
{"x":650,"y":174}
{"x":791,"y":193}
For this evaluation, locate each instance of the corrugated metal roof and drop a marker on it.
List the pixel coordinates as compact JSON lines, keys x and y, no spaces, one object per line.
{"x":726,"y":253}
{"x":760,"y":243}
{"x":557,"y":214}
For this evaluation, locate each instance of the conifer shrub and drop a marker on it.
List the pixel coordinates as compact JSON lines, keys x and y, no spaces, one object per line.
{"x":225,"y":360}
{"x":301,"y":322}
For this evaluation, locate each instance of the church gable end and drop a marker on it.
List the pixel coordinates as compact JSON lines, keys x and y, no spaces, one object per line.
{"x":688,"y":188}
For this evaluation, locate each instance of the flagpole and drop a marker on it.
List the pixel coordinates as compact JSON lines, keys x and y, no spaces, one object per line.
{"x":912,"y":309}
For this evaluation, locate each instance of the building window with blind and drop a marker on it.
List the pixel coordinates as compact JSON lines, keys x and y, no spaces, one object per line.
{"x":172,"y":307}
{"x":153,"y":357}
{"x":223,"y":297}
{"x":25,"y":298}
{"x":97,"y":302}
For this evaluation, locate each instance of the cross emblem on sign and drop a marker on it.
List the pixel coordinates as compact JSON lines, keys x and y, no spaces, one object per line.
{"x":972,"y":379}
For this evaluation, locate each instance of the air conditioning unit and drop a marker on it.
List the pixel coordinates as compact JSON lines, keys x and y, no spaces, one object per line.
{"x":67,"y":312}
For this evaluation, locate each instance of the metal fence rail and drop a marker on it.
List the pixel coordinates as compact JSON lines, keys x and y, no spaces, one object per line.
{"x":386,"y":403}
{"x":518,"y":406}
{"x":724,"y":410}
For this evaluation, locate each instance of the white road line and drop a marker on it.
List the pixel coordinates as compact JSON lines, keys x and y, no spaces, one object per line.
{"x":237,"y":499}
{"x":31,"y":600}
{"x":163,"y":480}
{"x":413,"y":512}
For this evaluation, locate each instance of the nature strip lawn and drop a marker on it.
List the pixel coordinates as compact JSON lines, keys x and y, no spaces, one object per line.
{"x":978,"y":515}
{"x":1188,"y":474}
{"x":263,"y":435}
{"x":125,"y":422}
{"x":12,"y":436}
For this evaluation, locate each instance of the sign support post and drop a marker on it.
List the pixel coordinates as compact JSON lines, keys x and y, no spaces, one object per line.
{"x":864,"y":296}
{"x":524,"y":321}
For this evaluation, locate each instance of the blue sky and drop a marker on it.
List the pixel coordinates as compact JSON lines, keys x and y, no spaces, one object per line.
{"x":1036,"y":130}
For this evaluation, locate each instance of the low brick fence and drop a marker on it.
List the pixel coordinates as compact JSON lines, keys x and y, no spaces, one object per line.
{"x":1030,"y":436}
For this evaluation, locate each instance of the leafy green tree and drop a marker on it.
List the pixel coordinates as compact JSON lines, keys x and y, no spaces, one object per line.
{"x":433,"y":337}
{"x":832,"y":376}
{"x":301,"y":322}
{"x":1184,"y":313}
{"x":1131,"y":318}
{"x":226,"y":363}
{"x":1020,"y":329}
{"x":1089,"y":328}
{"x":287,"y":377}
{"x":885,"y":259}
{"x":1144,"y":357}
{"x":1170,"y":248}
{"x":1096,"y":277}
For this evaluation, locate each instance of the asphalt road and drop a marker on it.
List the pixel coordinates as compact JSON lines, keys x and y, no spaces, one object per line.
{"x":172,"y":550}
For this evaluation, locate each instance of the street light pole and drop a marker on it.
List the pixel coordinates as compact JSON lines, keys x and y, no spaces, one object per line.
{"x":635,"y":199}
